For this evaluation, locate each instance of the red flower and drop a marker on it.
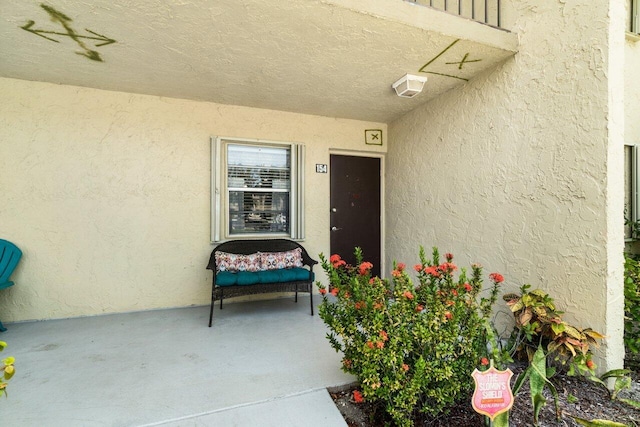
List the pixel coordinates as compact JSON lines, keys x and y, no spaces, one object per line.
{"x":590,"y":364}
{"x":334,"y":258}
{"x":377,"y":306}
{"x":496,"y":277}
{"x":407,"y":295}
{"x":447,"y":267}
{"x":359,"y":305}
{"x":396,"y":273}
{"x":432,"y":270}
{"x":401,"y":266}
{"x":484,"y":361}
{"x":419,"y":308}
{"x":384,"y":336}
{"x":454,"y":292}
{"x":405,"y":367}
{"x":364,"y":268}
{"x":357,"y":396}
{"x":380,"y":344}
{"x":339,"y":263}
{"x":418,"y":267}
{"x":322,"y":291}
{"x":448,"y":256}
{"x":335,"y":291}
{"x":369,"y":344}
{"x":448,"y":315}
{"x":467,"y":287}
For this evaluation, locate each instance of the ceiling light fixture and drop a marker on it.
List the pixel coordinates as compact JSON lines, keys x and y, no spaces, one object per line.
{"x":409,"y":85}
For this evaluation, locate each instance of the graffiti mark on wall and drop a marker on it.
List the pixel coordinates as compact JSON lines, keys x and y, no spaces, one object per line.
{"x":65,"y":22}
{"x":438,"y":67}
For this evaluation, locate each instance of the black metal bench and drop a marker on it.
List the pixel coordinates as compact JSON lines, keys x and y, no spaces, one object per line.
{"x":250,"y":276}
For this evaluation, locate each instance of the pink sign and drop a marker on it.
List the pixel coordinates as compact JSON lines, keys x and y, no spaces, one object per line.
{"x":492,"y":395}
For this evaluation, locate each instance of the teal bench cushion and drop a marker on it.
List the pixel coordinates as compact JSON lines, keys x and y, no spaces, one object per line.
{"x":225,"y":278}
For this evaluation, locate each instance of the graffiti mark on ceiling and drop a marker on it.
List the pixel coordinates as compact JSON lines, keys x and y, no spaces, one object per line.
{"x":65,"y":21}
{"x":435,"y":67}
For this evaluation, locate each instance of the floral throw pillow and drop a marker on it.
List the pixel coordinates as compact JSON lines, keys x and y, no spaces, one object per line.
{"x":235,"y":262}
{"x":278,"y":260}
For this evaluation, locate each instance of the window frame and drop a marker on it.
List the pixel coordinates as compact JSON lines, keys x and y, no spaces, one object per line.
{"x":633,"y":212}
{"x":220,"y":189}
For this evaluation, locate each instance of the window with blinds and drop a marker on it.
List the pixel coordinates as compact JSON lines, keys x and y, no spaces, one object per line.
{"x":257,"y":189}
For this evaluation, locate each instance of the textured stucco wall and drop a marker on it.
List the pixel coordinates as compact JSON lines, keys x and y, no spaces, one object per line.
{"x":520,"y":169}
{"x":107,"y":194}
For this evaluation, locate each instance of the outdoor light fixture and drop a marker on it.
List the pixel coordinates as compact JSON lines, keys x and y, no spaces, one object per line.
{"x":409,"y":85}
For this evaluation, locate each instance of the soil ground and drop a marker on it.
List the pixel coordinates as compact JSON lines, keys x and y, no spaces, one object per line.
{"x":578,"y":397}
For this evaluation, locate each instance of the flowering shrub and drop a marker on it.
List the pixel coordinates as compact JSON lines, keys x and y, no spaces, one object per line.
{"x":411,"y":347}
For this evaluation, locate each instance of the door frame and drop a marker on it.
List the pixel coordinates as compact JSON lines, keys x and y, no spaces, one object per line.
{"x":381,"y":156}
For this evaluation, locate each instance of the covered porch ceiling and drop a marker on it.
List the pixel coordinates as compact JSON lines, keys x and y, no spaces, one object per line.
{"x":335,"y":58}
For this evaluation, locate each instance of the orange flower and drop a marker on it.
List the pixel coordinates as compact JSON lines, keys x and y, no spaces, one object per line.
{"x":418,"y":267}
{"x":380,"y":344}
{"x":322,"y":291}
{"x":454,"y":292}
{"x":357,"y":396}
{"x":447,"y":267}
{"x":384,"y":336}
{"x":347,"y":295}
{"x":377,"y":306}
{"x":396,"y":273}
{"x":432,"y":271}
{"x":347,"y":363}
{"x":405,"y":367}
{"x":484,"y":361}
{"x":590,"y":364}
{"x":448,"y":256}
{"x":359,"y":305}
{"x":369,"y":344}
{"x":401,"y":266}
{"x":407,"y":295}
{"x":496,"y":277}
{"x":334,"y":258}
{"x":467,"y":287}
{"x":364,"y":268}
{"x":448,"y":315}
{"x":419,"y":308}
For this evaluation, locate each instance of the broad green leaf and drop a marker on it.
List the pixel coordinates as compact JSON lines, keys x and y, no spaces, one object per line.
{"x":630,"y":402}
{"x":557,"y":328}
{"x":615,"y":373}
{"x":9,"y":361}
{"x":501,"y":420}
{"x":597,"y":423}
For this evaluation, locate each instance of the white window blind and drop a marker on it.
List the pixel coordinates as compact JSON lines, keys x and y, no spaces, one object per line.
{"x":257,"y":189}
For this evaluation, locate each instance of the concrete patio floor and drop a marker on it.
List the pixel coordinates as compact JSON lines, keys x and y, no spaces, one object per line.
{"x":263,"y":363}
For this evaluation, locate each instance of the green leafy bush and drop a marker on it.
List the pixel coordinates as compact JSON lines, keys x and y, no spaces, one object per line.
{"x":7,"y":369}
{"x":631,"y":304}
{"x":411,"y":347}
{"x":539,"y":323}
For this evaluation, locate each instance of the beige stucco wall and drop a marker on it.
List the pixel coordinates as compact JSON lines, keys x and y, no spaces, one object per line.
{"x":108,"y":194}
{"x":521,"y":168}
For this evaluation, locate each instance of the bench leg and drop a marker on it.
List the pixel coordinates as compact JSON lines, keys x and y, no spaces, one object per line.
{"x":221,"y":297}
{"x":311,"y":297}
{"x":2,"y":328}
{"x":296,"y":293}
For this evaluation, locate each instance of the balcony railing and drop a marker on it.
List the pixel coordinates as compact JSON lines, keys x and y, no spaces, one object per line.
{"x":485,"y":11}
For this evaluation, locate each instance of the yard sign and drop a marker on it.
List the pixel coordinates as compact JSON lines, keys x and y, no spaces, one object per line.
{"x":492,"y":395}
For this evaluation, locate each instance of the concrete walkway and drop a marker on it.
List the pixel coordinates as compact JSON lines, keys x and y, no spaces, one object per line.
{"x":264,"y":363}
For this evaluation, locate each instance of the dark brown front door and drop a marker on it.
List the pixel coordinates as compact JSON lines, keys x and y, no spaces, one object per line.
{"x":355,"y":208}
